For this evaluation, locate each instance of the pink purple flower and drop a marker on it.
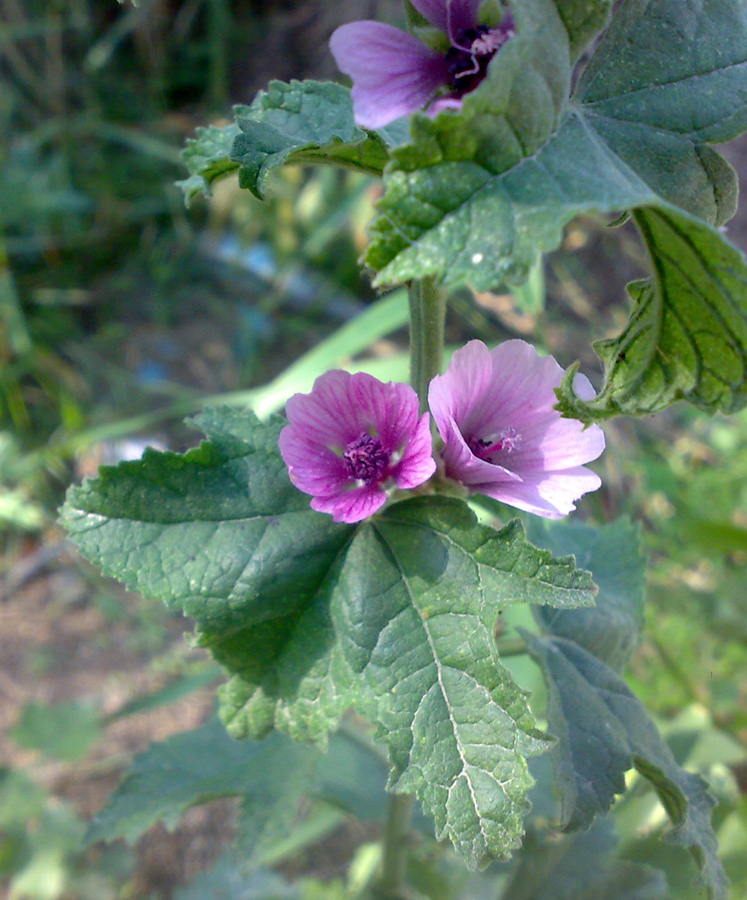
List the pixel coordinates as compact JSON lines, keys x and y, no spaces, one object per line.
{"x":502,"y":436}
{"x":354,"y":439}
{"x":394,"y":74}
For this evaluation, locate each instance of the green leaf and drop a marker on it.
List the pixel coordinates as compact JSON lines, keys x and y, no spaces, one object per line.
{"x":611,"y":629}
{"x":582,"y":866}
{"x":65,"y":731}
{"x":687,"y":336}
{"x":198,"y":766}
{"x":466,"y":201}
{"x":696,"y":91}
{"x":395,"y":616}
{"x":583,"y":20}
{"x":477,"y":207}
{"x":226,"y":879}
{"x":603,"y":731}
{"x":419,"y":635}
{"x":304,"y":122}
{"x":208,"y":156}
{"x":219,"y":532}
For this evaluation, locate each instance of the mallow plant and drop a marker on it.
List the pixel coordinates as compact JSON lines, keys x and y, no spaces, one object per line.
{"x":355,"y":566}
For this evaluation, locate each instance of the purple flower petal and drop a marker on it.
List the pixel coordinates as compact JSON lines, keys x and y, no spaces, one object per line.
{"x":352,"y":441}
{"x":417,"y":464}
{"x":552,"y":495}
{"x":451,"y":16}
{"x":503,"y":437}
{"x":393,"y":73}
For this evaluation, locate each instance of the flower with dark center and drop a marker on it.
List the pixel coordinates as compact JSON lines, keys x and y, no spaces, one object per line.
{"x":353,"y":440}
{"x":394,"y":74}
{"x":503,"y":437}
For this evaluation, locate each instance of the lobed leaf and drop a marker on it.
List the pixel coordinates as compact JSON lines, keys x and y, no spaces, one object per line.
{"x":394,"y":616}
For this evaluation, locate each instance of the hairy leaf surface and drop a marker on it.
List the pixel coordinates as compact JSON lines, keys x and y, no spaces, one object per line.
{"x":394,"y":616}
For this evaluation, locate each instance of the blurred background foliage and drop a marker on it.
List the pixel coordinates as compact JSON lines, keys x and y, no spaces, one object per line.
{"x":121,"y":312}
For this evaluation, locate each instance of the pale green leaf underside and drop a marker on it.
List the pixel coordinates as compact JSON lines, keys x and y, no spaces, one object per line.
{"x":395,"y":616}
{"x":687,"y":336}
{"x":603,"y":731}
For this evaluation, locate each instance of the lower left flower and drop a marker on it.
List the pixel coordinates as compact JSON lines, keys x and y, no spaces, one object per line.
{"x":353,"y":440}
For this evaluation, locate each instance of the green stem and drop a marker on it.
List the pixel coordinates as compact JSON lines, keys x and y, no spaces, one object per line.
{"x":396,"y":840}
{"x":515,"y":647}
{"x":427,"y":317}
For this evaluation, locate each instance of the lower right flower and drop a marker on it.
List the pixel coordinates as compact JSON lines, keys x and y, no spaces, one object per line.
{"x":502,"y":436}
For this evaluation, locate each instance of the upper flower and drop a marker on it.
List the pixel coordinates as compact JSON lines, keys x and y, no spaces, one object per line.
{"x":353,"y":439}
{"x":394,"y":74}
{"x":502,"y":436}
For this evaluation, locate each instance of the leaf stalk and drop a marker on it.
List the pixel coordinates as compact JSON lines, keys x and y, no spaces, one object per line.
{"x":427,"y":318}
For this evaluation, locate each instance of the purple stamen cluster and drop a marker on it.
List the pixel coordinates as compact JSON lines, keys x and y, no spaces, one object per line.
{"x":365,"y":458}
{"x":386,"y":444}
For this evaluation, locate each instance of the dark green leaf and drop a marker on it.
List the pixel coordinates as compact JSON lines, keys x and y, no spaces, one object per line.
{"x":698,"y":91}
{"x":687,"y":336}
{"x":308,"y":122}
{"x":603,"y":731}
{"x":610,"y":151}
{"x":610,"y":630}
{"x":415,"y":608}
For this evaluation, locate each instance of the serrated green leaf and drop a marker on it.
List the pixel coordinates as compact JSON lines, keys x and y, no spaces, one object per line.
{"x":219,"y":532}
{"x":395,"y":616}
{"x":467,"y":203}
{"x":208,"y":156}
{"x":687,"y":336}
{"x":603,"y":731}
{"x":611,"y":629}
{"x":306,"y":122}
{"x":415,"y":607}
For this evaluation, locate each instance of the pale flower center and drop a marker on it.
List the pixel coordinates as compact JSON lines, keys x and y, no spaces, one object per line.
{"x":365,"y":459}
{"x":468,"y":59}
{"x":504,"y":442}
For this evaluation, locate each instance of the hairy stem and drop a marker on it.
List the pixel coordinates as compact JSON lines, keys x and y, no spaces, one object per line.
{"x":427,"y":317}
{"x":396,"y":833}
